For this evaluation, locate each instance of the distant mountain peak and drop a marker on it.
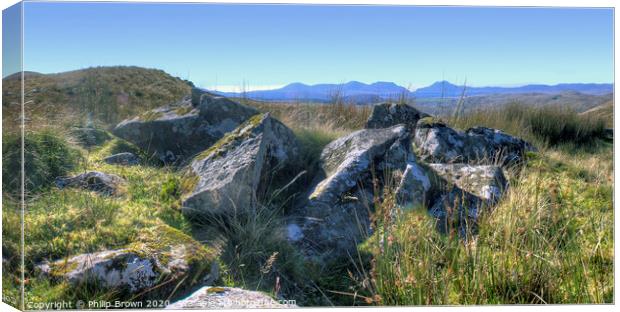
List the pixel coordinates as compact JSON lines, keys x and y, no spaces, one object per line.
{"x":444,"y":83}
{"x":295,"y":84}
{"x":385,"y":90}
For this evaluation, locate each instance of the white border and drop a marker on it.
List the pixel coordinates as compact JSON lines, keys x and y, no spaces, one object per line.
{"x":504,"y":3}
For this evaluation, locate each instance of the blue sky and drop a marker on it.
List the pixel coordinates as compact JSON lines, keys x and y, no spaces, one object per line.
{"x":271,"y":45}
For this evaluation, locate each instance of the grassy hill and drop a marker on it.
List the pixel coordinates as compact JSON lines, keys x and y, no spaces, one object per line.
{"x":604,"y":112}
{"x":109,"y":94}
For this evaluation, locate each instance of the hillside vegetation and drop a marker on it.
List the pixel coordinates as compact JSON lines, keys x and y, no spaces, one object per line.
{"x":105,"y":94}
{"x":549,"y":239}
{"x":602,"y":112}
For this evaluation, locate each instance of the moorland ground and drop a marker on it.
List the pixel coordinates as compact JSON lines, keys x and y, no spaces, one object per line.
{"x":549,"y":240}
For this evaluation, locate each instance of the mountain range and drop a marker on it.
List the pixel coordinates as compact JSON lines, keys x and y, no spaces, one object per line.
{"x":368,"y":93}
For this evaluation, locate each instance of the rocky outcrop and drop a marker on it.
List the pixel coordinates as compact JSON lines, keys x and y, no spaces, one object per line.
{"x":227,"y":298}
{"x":103,"y":183}
{"x":438,"y":143}
{"x":160,"y":256}
{"x":336,"y":216}
{"x":231,"y":173}
{"x":180,"y":130}
{"x":386,"y":115}
{"x":126,"y":159}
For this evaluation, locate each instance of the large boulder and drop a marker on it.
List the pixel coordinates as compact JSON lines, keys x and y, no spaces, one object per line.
{"x":153,"y":265}
{"x":180,"y":130}
{"x":207,"y":298}
{"x":100,"y":182}
{"x":386,"y":115}
{"x":347,"y":161}
{"x":231,"y":174}
{"x":436,"y":142}
{"x":336,"y":216}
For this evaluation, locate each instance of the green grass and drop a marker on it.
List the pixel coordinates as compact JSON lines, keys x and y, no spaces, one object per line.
{"x":46,"y":156}
{"x":62,"y":223}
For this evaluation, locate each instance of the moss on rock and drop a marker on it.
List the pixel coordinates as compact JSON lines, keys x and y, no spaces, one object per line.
{"x":242,"y":132}
{"x":183,"y":110}
{"x":429,"y":120}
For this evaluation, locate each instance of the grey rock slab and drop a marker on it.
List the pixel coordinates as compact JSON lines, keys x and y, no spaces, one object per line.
{"x":336,"y":215}
{"x":415,"y":187}
{"x":180,"y":130}
{"x":471,"y":191}
{"x":110,"y":269}
{"x":485,"y":181}
{"x":349,"y":160}
{"x":386,"y":115}
{"x":231,"y":172}
{"x":437,"y":143}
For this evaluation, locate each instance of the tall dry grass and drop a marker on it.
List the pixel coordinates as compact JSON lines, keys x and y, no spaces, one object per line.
{"x":545,"y":126}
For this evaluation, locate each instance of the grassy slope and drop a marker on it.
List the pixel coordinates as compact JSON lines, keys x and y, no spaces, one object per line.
{"x":604,"y":111}
{"x":61,"y":223}
{"x":110,"y":93}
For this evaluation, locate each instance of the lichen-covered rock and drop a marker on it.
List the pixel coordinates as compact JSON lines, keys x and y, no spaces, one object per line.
{"x":89,"y":136}
{"x":496,"y":145}
{"x":231,"y":172}
{"x":159,"y":257}
{"x":438,"y":143}
{"x":227,"y":298}
{"x":386,"y":115}
{"x":111,"y":268}
{"x":471,"y":190}
{"x":327,"y":232}
{"x":126,"y":158}
{"x":336,"y":216}
{"x":347,"y":161}
{"x":180,"y":130}
{"x":486,"y":182}
{"x":103,"y":183}
{"x":415,"y":187}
